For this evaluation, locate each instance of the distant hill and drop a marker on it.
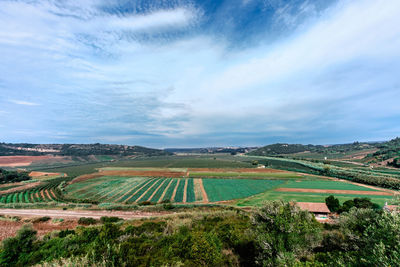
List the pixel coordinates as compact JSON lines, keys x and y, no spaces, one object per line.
{"x":23,"y":149}
{"x":211,"y":150}
{"x":284,"y":149}
{"x":388,"y":152}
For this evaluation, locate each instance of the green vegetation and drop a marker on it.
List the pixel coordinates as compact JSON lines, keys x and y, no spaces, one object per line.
{"x":325,"y":184}
{"x":279,"y":149}
{"x":278,"y":234}
{"x":77,"y":150}
{"x":365,"y":176}
{"x":360,"y":203}
{"x":47,"y":191}
{"x":13,"y":176}
{"x":388,"y":150}
{"x":270,"y":195}
{"x":227,"y":189}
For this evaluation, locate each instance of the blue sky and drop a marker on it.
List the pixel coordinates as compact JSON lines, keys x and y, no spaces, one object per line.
{"x":199,"y":73}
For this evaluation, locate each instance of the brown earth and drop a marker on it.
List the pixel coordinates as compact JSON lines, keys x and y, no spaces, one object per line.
{"x":184,"y":191}
{"x":241,"y":170}
{"x":10,"y":228}
{"x":203,"y":191}
{"x":13,"y":161}
{"x":39,"y":174}
{"x":22,"y":187}
{"x":329,"y":191}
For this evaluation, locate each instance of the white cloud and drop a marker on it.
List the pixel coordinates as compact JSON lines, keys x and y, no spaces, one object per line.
{"x":24,"y":103}
{"x":161,"y":19}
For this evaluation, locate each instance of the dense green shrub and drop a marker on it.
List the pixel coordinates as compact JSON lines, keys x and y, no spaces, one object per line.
{"x":106,"y":219}
{"x":87,"y":221}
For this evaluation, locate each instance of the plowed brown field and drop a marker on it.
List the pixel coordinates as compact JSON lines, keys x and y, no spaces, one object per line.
{"x":13,"y":161}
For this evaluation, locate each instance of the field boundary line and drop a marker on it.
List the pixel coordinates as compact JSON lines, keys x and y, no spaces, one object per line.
{"x":203,"y":191}
{"x":144,"y":193}
{"x":165,"y":191}
{"x":185,"y":191}
{"x":332,"y":191}
{"x":155,"y":191}
{"x":174,"y":192}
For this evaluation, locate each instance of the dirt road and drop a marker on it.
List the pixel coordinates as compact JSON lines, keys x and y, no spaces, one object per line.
{"x":76,"y":214}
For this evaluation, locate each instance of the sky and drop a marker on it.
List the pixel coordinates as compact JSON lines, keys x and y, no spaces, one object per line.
{"x":182,"y":73}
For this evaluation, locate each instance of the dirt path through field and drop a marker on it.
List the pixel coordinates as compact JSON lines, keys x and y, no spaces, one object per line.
{"x":77,"y":213}
{"x":165,"y":191}
{"x":175,"y":189}
{"x":184,"y":191}
{"x":155,"y":191}
{"x":203,"y":191}
{"x":350,"y":192}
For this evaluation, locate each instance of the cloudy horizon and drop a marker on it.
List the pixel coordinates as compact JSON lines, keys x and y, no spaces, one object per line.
{"x":184,"y":73}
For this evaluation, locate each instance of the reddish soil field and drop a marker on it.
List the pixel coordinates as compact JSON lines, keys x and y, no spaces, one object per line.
{"x":241,"y":170}
{"x":10,"y":228}
{"x":39,"y":174}
{"x":13,"y":161}
{"x":350,"y":192}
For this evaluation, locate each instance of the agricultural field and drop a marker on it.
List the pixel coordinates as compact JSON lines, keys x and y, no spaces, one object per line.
{"x":181,"y":190}
{"x":316,"y":190}
{"x":39,"y":192}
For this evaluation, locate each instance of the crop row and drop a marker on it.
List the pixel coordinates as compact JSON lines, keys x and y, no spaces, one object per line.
{"x":46,"y":192}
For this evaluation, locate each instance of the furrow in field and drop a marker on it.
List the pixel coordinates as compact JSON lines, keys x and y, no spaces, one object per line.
{"x":203,"y":191}
{"x":165,"y":191}
{"x":148,"y":189}
{"x":105,"y":189}
{"x":83,"y":191}
{"x":175,"y":189}
{"x":138,"y":190}
{"x":134,"y":190}
{"x":185,"y":191}
{"x":120,"y":191}
{"x":155,"y":191}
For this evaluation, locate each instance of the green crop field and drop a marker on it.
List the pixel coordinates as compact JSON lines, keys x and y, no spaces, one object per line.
{"x":139,"y":189}
{"x":325,"y":184}
{"x":227,"y":189}
{"x":258,"y":200}
{"x":244,"y":175}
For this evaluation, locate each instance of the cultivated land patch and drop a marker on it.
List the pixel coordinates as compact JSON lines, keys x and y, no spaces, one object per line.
{"x":325,"y":184}
{"x":14,"y":161}
{"x":227,"y":189}
{"x":349,"y":192}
